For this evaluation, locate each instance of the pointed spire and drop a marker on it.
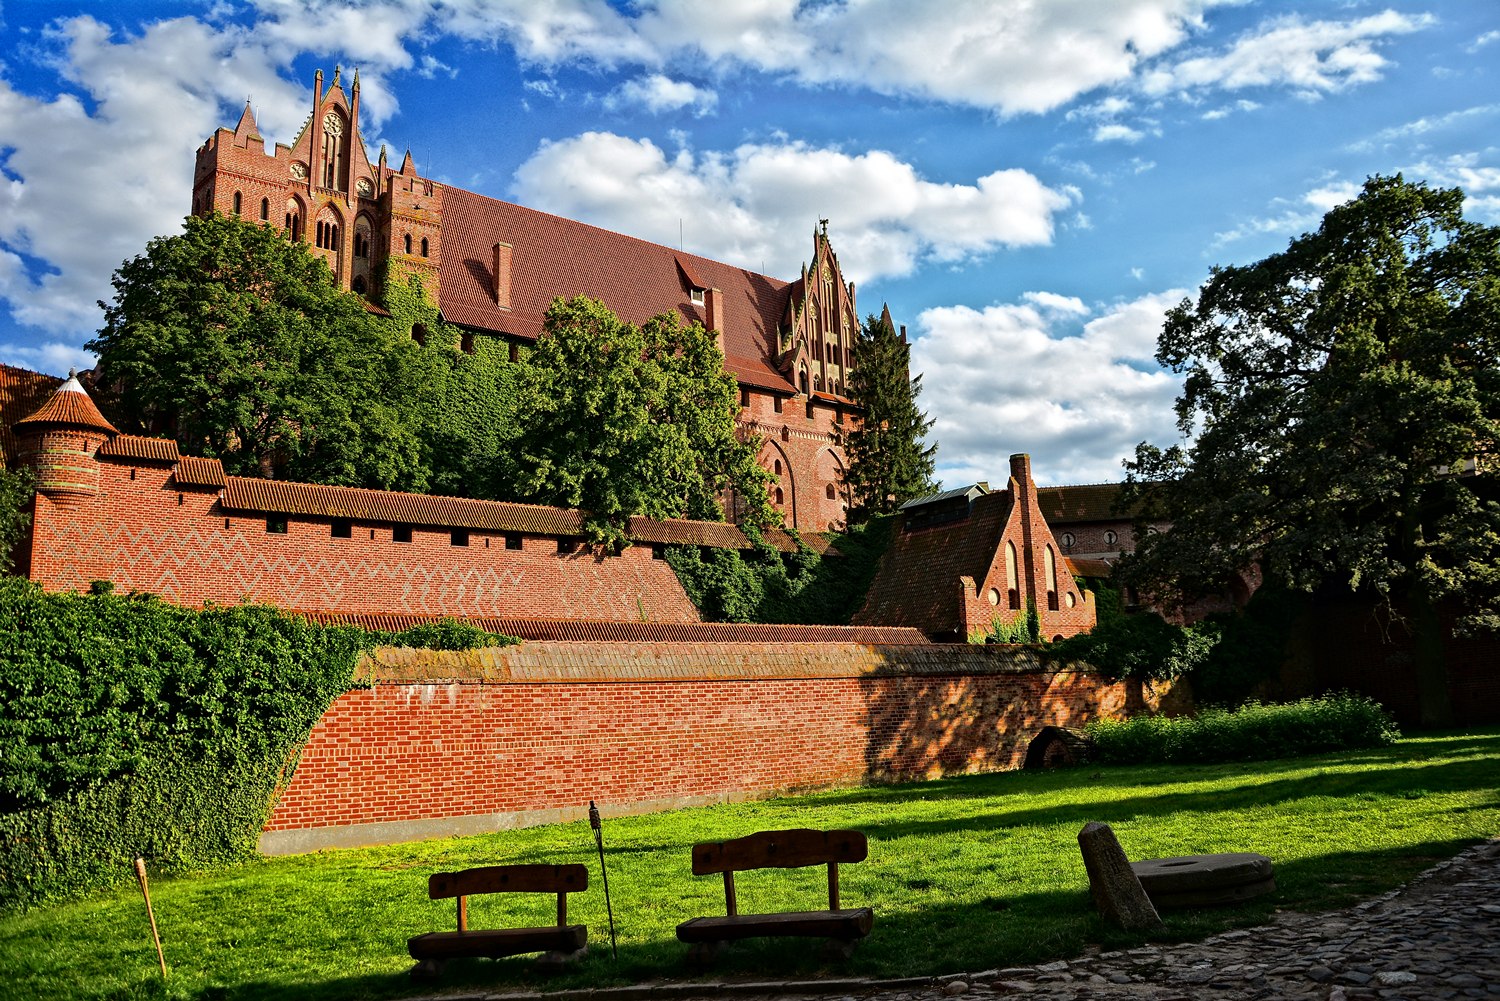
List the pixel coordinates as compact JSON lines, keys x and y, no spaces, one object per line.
{"x":246,"y":125}
{"x":70,"y":406}
{"x":407,"y":166}
{"x":336,"y":70}
{"x":356,"y":79}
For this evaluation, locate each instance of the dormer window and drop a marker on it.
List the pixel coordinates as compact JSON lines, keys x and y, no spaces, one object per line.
{"x":696,"y":295}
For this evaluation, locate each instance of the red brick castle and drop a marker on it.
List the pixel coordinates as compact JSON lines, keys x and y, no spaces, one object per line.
{"x":493,"y":268}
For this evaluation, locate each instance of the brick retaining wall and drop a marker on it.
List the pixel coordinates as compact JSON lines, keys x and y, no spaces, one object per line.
{"x":448,"y":743}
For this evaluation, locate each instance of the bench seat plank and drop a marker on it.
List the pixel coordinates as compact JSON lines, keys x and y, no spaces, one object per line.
{"x":850,"y":923}
{"x":497,"y":943}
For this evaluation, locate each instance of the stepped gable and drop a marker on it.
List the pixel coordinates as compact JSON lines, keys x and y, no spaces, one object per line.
{"x":575,"y":631}
{"x":69,"y":406}
{"x":634,"y":278}
{"x":22,"y":393}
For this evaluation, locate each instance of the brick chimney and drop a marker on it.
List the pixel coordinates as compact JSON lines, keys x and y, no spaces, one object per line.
{"x":501,"y":272}
{"x":713,"y":308}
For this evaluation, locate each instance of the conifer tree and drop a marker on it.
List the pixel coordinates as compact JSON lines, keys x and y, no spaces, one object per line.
{"x":889,"y":461}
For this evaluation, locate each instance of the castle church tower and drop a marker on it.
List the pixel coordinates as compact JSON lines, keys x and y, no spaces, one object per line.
{"x":323,"y":190}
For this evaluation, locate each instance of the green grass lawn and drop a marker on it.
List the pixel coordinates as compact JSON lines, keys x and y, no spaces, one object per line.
{"x":967,"y":873}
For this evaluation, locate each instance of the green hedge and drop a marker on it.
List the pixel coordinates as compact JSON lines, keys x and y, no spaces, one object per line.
{"x":130,"y":726}
{"x":1254,"y":732}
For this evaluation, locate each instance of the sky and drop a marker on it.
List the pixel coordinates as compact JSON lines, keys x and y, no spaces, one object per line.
{"x":1029,"y":184}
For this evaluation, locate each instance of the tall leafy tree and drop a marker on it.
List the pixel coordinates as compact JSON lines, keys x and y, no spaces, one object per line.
{"x":15,"y":494}
{"x":620,"y":420}
{"x":1336,"y":392}
{"x":889,"y":459}
{"x":239,"y":343}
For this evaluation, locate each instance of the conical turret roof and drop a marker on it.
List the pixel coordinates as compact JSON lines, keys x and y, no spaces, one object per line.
{"x":70,"y":406}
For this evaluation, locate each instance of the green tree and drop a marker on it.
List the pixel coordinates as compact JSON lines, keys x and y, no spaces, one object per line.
{"x":1336,"y":390}
{"x":15,"y":493}
{"x":889,"y":461}
{"x":620,"y":420}
{"x":240,"y":344}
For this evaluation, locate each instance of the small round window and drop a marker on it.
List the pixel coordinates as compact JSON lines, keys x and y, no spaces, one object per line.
{"x":1110,"y":538}
{"x":1072,"y":600}
{"x":993,"y":595}
{"x":1068,"y":540}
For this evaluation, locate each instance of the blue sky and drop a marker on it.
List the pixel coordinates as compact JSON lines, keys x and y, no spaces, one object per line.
{"x":1029,"y":185}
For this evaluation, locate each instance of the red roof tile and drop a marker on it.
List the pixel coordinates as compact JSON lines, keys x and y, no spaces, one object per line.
{"x":1086,"y":502}
{"x":917,"y":583}
{"x":694,"y":533}
{"x":554,"y":257}
{"x":245,"y":494}
{"x":569,"y":630}
{"x":129,"y":446}
{"x":22,"y":392}
{"x":70,"y":405}
{"x":195,"y":472}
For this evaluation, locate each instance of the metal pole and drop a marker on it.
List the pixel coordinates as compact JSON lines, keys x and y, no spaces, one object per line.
{"x":598,"y":827}
{"x":140,"y":874}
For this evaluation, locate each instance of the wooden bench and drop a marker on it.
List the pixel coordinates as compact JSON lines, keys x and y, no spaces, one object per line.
{"x":779,"y":850}
{"x":561,"y":942}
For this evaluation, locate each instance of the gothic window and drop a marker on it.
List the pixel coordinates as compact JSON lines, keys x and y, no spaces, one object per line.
{"x":777,"y":467}
{"x":829,"y":492}
{"x":802,"y":380}
{"x":333,"y":150}
{"x":236,"y":203}
{"x":424,"y":246}
{"x":406,"y":241}
{"x":780,"y":497}
{"x":358,"y":285}
{"x":1049,"y":563}
{"x":1012,"y":576}
{"x":265,"y":209}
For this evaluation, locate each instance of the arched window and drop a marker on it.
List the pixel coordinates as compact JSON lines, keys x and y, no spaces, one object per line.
{"x":780,"y":497}
{"x":776,"y":467}
{"x":419,"y":333}
{"x":829,"y":492}
{"x":1049,"y":564}
{"x":358,"y":285}
{"x":406,"y":240}
{"x":1012,"y":576}
{"x":424,"y":246}
{"x":265,"y":209}
{"x":802,"y":381}
{"x":236,"y":203}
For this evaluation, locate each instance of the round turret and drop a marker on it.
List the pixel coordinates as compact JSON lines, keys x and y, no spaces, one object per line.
{"x":59,"y":443}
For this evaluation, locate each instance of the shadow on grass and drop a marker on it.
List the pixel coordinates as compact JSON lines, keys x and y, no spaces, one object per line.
{"x":909,"y":938}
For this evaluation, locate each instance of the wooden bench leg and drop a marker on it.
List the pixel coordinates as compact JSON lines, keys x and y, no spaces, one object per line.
{"x":428,"y":969}
{"x":557,"y":962}
{"x":701,"y":954}
{"x":837,"y":950}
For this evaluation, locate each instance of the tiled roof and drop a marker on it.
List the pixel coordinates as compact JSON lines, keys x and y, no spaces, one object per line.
{"x":917,"y":584}
{"x":245,"y":494}
{"x":195,"y":472}
{"x":129,"y":446}
{"x":570,"y":630}
{"x":70,"y":405}
{"x":22,"y":392}
{"x":970,"y":492}
{"x":1086,"y":502}
{"x":554,"y":256}
{"x":1088,"y":567}
{"x":695,"y":533}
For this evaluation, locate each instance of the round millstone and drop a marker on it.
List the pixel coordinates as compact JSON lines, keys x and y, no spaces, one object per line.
{"x":1201,"y":872}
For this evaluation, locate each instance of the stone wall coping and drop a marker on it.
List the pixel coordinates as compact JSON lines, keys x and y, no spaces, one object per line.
{"x":545,"y":662}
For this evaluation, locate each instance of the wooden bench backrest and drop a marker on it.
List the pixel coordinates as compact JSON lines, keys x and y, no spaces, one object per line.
{"x":779,"y":850}
{"x":508,"y":878}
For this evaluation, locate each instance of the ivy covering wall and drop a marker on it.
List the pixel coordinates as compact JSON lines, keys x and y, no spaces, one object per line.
{"x":129,"y":726}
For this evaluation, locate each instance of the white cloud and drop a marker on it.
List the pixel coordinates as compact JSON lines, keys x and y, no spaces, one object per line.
{"x":88,"y":184}
{"x":1077,"y":393}
{"x":1115,"y":132}
{"x":740,"y":205}
{"x":1224,"y":112}
{"x":1480,"y":182}
{"x":1293,"y":217}
{"x":1488,"y":38}
{"x":659,"y":94}
{"x":1311,"y":57}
